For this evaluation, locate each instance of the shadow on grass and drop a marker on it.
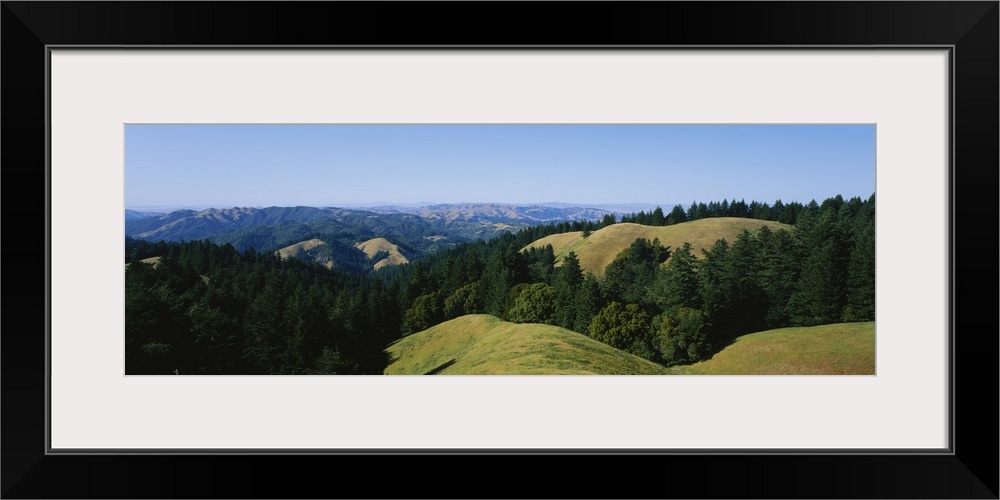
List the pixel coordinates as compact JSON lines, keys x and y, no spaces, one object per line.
{"x":444,"y":365}
{"x":716,"y":348}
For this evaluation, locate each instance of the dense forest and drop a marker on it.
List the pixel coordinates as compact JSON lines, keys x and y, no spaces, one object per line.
{"x":210,"y":309}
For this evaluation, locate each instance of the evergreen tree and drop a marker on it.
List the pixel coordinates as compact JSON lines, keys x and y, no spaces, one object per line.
{"x":677,"y":282}
{"x":418,"y":284}
{"x":692,"y":212}
{"x":777,"y":211}
{"x":657,"y":218}
{"x":331,"y":362}
{"x":747,"y":300}
{"x":861,"y":269}
{"x":781,"y":260}
{"x":216,"y":337}
{"x":630,"y":276}
{"x":589,"y":300}
{"x":568,"y":279}
{"x":713,"y":286}
{"x":498,"y":278}
{"x":608,"y":220}
{"x":540,"y":264}
{"x":821,"y":293}
{"x":265,"y":338}
{"x":677,"y":215}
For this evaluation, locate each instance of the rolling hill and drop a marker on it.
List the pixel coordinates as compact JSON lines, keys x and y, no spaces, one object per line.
{"x":480,"y":344}
{"x":155,"y":261}
{"x":193,"y":225}
{"x":328,"y":255}
{"x":306,"y":250}
{"x":417,"y":230}
{"x":838,"y":349}
{"x":375,"y":246}
{"x":602,"y":246}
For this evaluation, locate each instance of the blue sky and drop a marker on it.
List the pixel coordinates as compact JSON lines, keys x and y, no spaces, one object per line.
{"x":197,"y":166}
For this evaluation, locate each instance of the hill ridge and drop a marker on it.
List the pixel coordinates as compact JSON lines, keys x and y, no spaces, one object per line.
{"x":480,"y":344}
{"x":372,"y":247}
{"x":834,"y":349}
{"x":602,"y":246}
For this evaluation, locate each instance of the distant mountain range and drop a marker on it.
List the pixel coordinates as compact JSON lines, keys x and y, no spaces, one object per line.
{"x":618,"y":208}
{"x":497,"y":212}
{"x":136,"y":215}
{"x":417,"y":230}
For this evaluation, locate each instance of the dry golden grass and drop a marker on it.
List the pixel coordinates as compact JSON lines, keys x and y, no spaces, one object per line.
{"x":155,"y":261}
{"x":152,"y":260}
{"x":480,"y":344}
{"x":294,"y":250}
{"x":376,"y":245}
{"x":839,"y":349}
{"x":602,"y":246}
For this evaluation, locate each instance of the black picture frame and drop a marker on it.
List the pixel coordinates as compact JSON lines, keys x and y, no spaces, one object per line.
{"x":970,"y":28}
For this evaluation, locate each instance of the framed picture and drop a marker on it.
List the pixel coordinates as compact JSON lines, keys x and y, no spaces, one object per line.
{"x":918,"y":79}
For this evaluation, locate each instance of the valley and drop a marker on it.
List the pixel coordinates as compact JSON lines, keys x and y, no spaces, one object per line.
{"x":720,"y":288}
{"x":486,"y":345}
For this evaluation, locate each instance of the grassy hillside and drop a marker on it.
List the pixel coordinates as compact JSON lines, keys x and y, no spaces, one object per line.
{"x":840,"y":349}
{"x":155,"y":261}
{"x":298,"y":248}
{"x":152,"y":260}
{"x":480,"y":344}
{"x":306,"y":250}
{"x":600,"y":248}
{"x":373,"y":246}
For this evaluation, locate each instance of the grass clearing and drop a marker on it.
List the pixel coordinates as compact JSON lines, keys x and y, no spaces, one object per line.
{"x":480,"y":344}
{"x":155,"y":261}
{"x":838,"y":349}
{"x":602,"y":246}
{"x":375,"y":245}
{"x":296,"y":249}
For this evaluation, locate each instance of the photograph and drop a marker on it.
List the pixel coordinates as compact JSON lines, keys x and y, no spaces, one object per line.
{"x":499,"y":249}
{"x":240,"y":213}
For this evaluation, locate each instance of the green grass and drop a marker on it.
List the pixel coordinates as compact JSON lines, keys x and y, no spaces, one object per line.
{"x":480,"y":344}
{"x":602,"y":246}
{"x":839,"y":349}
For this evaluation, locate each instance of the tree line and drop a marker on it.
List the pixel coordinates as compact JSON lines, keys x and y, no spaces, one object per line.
{"x":208,"y":308}
{"x":778,"y":212}
{"x":681,"y":312}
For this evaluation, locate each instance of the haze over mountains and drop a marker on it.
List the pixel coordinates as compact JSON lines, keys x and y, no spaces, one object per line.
{"x":498,"y":212}
{"x":404,"y":232}
{"x":434,"y":223}
{"x":136,"y":214}
{"x":504,"y":289}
